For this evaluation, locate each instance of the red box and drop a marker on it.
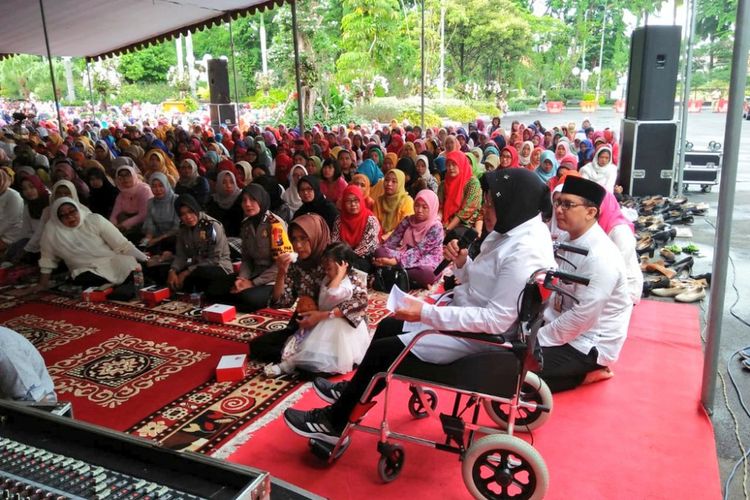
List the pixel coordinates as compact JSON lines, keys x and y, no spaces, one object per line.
{"x":154,"y":294}
{"x":236,"y":266}
{"x":97,"y":294}
{"x":231,"y":368}
{"x":219,"y":313}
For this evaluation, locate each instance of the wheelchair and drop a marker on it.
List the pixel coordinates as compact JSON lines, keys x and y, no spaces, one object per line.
{"x":499,"y":380}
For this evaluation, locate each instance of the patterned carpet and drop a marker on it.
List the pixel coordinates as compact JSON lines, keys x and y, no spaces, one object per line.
{"x":150,"y":371}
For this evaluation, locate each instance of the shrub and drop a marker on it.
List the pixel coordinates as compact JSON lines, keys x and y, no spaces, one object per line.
{"x":275,"y":97}
{"x":571,"y":95}
{"x":461,"y":113}
{"x":485,"y":108}
{"x":414,"y":116}
{"x":191,"y":104}
{"x":518,"y":105}
{"x":589,"y":96}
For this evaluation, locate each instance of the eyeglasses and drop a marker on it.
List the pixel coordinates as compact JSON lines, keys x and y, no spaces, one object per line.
{"x":305,"y":190}
{"x":352,"y":201}
{"x":507,"y":156}
{"x":567,"y":205}
{"x":124,"y":173}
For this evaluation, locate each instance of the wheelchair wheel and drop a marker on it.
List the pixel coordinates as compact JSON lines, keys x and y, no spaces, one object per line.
{"x":391,"y":461}
{"x":534,"y":390}
{"x":416,"y":408}
{"x":503,"y":466}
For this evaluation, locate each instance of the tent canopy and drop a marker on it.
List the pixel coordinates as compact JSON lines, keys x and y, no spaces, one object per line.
{"x":102,"y":28}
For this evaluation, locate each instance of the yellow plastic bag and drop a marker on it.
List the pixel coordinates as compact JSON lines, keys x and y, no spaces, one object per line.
{"x":279,"y":239}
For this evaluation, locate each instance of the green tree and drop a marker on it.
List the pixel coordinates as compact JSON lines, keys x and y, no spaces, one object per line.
{"x":148,"y":65}
{"x":373,"y":40}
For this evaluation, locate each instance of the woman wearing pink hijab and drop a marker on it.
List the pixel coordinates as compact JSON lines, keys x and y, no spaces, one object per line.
{"x":620,"y":230}
{"x":417,"y":242}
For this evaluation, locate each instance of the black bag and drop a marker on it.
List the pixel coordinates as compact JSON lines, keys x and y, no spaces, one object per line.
{"x":387,"y":276}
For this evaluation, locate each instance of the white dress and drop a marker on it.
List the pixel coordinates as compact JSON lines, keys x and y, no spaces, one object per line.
{"x":333,"y":345}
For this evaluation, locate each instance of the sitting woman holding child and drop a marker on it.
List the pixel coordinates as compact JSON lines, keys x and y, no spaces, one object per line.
{"x":303,"y":279}
{"x":333,"y":344}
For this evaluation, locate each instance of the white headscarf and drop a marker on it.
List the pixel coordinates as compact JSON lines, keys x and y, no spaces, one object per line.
{"x":94,"y":245}
{"x":291,"y":195}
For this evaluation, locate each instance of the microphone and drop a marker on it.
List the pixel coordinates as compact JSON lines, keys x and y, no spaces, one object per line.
{"x":467,"y":239}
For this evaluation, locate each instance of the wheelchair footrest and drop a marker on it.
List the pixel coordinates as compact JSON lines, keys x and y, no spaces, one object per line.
{"x":454,"y":429}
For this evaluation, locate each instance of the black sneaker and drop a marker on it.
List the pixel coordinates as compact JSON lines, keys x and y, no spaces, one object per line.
{"x":313,"y":424}
{"x":328,"y":391}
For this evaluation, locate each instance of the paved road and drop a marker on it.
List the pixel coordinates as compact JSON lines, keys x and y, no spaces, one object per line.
{"x":703,"y":128}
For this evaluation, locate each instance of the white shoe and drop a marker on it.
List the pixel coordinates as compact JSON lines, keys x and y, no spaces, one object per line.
{"x":272,"y":371}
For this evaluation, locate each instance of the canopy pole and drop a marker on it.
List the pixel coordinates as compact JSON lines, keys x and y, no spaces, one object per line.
{"x":423,"y":66}
{"x":300,"y":111}
{"x":686,"y":84}
{"x":91,"y":89}
{"x":234,"y":77}
{"x":51,"y":68}
{"x":724,"y":212}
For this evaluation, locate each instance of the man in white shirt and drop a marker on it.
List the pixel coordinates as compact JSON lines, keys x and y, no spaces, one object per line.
{"x":23,"y":375}
{"x":585,"y":337}
{"x":486,"y":301}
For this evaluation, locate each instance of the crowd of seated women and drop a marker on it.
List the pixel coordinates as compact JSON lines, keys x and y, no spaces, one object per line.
{"x":184,"y":204}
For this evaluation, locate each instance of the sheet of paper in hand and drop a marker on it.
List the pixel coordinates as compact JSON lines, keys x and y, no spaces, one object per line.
{"x":396,"y":300}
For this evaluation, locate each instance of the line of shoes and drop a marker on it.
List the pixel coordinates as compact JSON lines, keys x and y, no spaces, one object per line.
{"x":674,"y":279}
{"x":657,"y":215}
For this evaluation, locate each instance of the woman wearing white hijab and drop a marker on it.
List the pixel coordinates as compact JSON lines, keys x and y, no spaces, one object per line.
{"x":291,"y":195}
{"x":92,"y":248}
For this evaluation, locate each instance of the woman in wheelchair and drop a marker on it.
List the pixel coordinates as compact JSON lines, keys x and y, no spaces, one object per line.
{"x":485,"y":302}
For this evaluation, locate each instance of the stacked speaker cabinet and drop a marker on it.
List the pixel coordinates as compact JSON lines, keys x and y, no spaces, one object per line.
{"x":649,"y":133}
{"x":221,"y":109}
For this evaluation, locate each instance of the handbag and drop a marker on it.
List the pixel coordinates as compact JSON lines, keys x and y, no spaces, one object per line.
{"x":387,"y":276}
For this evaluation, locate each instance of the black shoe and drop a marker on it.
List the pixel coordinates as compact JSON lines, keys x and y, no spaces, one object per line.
{"x":328,"y":391}
{"x":313,"y":424}
{"x":681,"y":265}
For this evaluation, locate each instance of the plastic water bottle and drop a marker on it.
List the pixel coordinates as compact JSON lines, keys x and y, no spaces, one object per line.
{"x":138,"y":280}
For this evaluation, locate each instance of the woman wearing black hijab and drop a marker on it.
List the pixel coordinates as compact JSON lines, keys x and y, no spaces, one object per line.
{"x":252,"y":286}
{"x":102,"y":193}
{"x":486,"y":300}
{"x":278,"y":205}
{"x":313,"y":201}
{"x":406,"y":165}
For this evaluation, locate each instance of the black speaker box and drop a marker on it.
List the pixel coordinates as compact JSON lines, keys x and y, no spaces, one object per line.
{"x":647,"y":154}
{"x":218,"y":81}
{"x":652,"y":78}
{"x":222,"y":114}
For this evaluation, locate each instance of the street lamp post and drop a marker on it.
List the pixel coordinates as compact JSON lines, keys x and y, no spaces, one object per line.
{"x":601,"y":56}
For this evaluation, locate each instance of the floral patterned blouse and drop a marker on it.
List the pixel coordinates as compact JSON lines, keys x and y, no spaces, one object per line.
{"x":300,"y":282}
{"x":427,"y":253}
{"x":470,"y":210}
{"x":369,"y":242}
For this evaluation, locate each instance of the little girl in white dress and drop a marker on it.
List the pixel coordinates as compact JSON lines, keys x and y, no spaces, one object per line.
{"x":333,"y":345}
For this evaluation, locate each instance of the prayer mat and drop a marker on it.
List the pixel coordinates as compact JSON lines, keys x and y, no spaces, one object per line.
{"x":149,"y":371}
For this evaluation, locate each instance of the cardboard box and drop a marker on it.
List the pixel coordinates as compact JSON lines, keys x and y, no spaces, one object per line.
{"x":154,"y":294}
{"x":231,"y":367}
{"x":97,"y":293}
{"x":219,"y":313}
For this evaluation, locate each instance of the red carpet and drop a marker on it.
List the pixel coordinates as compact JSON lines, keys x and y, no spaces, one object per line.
{"x":639,"y":435}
